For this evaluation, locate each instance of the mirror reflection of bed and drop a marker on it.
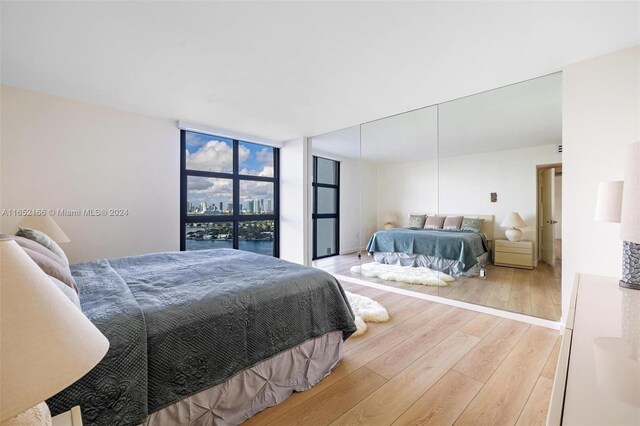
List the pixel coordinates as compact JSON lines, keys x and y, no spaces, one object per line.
{"x":494,"y":156}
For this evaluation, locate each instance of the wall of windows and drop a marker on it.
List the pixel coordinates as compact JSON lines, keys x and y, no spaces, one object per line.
{"x":229,"y":194}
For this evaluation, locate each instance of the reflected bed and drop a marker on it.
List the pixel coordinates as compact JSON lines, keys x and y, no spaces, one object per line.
{"x":455,"y":253}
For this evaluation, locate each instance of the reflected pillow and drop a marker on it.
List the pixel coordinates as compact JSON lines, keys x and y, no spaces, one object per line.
{"x":472,"y":224}
{"x":434,"y":222}
{"x":416,"y":220}
{"x":452,"y":223}
{"x":43,"y":239}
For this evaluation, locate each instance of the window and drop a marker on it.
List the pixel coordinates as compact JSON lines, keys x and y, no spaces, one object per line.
{"x":229,"y":194}
{"x":326,"y":207}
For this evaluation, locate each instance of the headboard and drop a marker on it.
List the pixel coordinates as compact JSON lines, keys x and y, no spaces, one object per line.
{"x":487,"y":226}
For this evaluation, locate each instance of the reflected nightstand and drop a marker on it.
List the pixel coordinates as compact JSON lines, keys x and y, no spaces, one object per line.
{"x":515,"y":254}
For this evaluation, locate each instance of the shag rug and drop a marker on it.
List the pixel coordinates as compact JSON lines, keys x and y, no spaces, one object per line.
{"x":365,"y":310}
{"x":405,"y":274}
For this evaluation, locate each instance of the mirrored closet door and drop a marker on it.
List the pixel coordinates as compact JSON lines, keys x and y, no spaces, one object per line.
{"x":460,"y":200}
{"x":400,"y":161}
{"x":336,"y":200}
{"x":494,"y":148}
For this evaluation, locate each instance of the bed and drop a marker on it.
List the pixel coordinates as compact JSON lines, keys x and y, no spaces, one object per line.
{"x":456,"y":253}
{"x":204,"y":337}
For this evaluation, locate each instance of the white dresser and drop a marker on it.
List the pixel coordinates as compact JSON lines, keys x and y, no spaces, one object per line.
{"x":598,"y":376}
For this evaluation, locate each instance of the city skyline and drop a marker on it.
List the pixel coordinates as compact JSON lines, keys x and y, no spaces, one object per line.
{"x":252,"y":206}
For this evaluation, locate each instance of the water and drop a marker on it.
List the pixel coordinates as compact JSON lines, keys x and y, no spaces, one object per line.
{"x":260,"y":246}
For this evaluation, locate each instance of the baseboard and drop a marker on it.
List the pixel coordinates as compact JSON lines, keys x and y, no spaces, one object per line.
{"x":465,"y":305}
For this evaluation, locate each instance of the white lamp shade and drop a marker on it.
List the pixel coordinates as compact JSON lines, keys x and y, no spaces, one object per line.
{"x":390,"y":217}
{"x":47,"y":225}
{"x":630,"y":216}
{"x":609,"y":204}
{"x":513,"y":220}
{"x":46,"y":342}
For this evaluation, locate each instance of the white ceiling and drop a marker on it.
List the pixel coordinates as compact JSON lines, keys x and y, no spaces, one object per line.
{"x":281,"y":70}
{"x":521,"y":115}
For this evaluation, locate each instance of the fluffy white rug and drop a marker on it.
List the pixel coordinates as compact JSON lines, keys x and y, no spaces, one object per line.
{"x":365,"y":310}
{"x":405,"y":274}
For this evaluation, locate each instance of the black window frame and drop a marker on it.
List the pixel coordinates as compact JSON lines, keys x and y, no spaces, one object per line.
{"x":237,"y":217}
{"x":315,"y":215}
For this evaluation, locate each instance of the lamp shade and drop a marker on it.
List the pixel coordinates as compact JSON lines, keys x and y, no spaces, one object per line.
{"x":389,"y":217}
{"x":513,"y":220}
{"x":609,"y":204}
{"x":630,"y":217}
{"x":46,"y":342}
{"x":47,"y":225}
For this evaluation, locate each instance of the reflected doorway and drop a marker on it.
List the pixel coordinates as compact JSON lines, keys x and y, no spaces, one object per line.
{"x":549,"y":201}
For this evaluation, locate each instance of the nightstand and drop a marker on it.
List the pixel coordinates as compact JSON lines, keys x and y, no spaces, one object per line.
{"x":68,"y":418}
{"x":514,"y":254}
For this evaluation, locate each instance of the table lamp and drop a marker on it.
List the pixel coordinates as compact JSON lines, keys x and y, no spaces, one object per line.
{"x":513,"y":221}
{"x":630,"y":219}
{"x":46,"y":342}
{"x":619,"y":202}
{"x":47,"y":225}
{"x":389,"y":220}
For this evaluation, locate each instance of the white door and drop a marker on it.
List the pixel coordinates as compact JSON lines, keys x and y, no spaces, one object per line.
{"x":547,"y":188}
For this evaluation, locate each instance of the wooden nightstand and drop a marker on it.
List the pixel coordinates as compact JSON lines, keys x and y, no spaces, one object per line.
{"x":68,"y":418}
{"x":514,"y":254}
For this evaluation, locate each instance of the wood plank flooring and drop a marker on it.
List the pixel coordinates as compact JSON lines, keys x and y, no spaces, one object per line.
{"x":431,"y":364}
{"x":531,"y":292}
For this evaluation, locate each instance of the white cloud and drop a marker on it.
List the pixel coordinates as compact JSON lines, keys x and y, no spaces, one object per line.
{"x":214,"y":156}
{"x":265,"y":156}
{"x":210,"y":190}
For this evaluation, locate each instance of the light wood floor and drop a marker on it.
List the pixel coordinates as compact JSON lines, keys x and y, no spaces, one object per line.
{"x":431,"y":364}
{"x":534,"y":292}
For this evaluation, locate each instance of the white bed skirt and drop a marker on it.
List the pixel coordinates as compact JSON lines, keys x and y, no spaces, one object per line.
{"x":449,"y":267}
{"x":252,"y":390}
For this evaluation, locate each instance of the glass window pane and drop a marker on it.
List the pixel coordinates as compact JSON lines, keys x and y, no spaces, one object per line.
{"x":327,"y":200}
{"x":326,"y":237}
{"x":255,"y":160}
{"x":202,"y":236}
{"x":256,"y":236}
{"x":208,"y":153}
{"x":209,"y":196}
{"x":327,"y":171}
{"x":256,"y":197}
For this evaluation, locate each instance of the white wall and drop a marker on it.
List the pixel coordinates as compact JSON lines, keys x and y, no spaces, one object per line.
{"x":558,"y":206}
{"x":463,"y":184}
{"x":601,"y":116}
{"x":62,"y":154}
{"x":357,"y":204}
{"x":294,"y":184}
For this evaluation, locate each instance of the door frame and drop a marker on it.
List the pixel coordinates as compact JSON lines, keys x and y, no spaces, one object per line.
{"x":539,"y":169}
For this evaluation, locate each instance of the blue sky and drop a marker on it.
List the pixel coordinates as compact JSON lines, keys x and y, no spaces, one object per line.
{"x":255,"y":157}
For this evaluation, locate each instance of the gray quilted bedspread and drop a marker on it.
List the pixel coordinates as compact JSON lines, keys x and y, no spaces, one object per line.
{"x":181,"y":322}
{"x":461,"y":246}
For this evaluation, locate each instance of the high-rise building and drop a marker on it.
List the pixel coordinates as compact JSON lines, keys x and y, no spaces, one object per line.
{"x":203,"y":206}
{"x":221,"y":208}
{"x":230,"y":207}
{"x":251,"y":206}
{"x":268,"y":208}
